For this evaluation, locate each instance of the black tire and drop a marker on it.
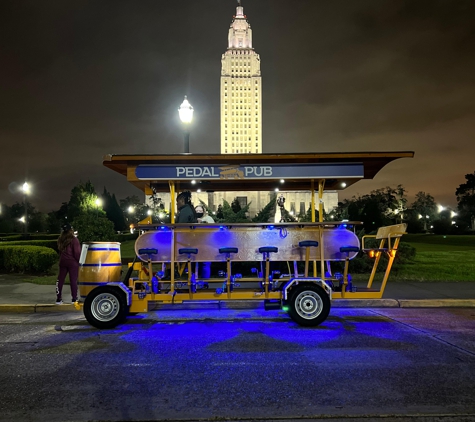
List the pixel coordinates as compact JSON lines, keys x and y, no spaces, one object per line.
{"x":309,"y":305}
{"x":105,"y":307}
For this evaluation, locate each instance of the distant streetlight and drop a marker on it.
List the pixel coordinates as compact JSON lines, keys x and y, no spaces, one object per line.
{"x":131,"y":209}
{"x":26,"y":190}
{"x":186,"y":116}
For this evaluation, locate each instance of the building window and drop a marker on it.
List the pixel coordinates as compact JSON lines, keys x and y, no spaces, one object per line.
{"x":302,"y":208}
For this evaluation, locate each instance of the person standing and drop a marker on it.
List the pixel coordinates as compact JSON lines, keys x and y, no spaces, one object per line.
{"x":70,"y":251}
{"x":186,"y":212}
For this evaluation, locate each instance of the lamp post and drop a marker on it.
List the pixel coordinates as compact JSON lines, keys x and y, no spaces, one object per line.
{"x":26,"y":190}
{"x":186,"y":115}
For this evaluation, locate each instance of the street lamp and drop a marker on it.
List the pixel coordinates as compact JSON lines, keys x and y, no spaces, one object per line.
{"x":186,"y":116}
{"x":26,"y":190}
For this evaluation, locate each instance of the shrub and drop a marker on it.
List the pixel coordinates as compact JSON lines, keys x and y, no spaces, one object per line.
{"x":31,"y":259}
{"x":10,"y":237}
{"x":94,"y":228}
{"x":52,"y":244}
{"x":45,"y":236}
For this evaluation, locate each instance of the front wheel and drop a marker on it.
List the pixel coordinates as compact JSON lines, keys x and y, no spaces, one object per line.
{"x":309,"y":305}
{"x":105,"y":307}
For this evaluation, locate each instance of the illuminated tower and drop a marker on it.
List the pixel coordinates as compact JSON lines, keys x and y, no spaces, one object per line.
{"x":241,"y":91}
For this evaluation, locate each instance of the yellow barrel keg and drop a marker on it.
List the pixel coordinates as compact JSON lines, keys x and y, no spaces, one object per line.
{"x":99,"y":264}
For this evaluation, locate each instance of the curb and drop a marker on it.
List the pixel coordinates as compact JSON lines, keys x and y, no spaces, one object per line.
{"x":437,"y":303}
{"x":257,"y":304}
{"x":36,"y":308}
{"x":365,"y":303}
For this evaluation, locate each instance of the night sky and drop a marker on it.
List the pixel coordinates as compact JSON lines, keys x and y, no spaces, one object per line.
{"x":81,"y":79}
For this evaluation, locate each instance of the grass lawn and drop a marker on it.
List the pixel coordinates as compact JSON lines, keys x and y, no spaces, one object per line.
{"x":438,"y":258}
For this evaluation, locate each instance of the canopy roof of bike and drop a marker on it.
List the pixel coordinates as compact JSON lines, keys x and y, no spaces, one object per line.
{"x":250,"y":172}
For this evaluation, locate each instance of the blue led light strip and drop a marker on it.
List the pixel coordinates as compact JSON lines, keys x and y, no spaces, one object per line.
{"x":102,"y":265}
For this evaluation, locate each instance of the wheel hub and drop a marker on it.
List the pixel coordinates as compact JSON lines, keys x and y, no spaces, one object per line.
{"x":308,"y":304}
{"x":105,"y":307}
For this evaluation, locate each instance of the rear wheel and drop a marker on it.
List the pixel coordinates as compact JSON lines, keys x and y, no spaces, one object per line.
{"x":309,"y":305}
{"x":105,"y":307}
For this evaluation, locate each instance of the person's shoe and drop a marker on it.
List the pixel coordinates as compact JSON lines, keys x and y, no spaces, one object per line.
{"x":59,"y":302}
{"x":74,"y":300}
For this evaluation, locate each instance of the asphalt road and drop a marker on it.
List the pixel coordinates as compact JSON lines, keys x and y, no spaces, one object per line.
{"x":391,"y":364}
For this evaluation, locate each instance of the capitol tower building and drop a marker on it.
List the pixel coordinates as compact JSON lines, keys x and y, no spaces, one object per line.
{"x":241,"y":124}
{"x":241,"y":91}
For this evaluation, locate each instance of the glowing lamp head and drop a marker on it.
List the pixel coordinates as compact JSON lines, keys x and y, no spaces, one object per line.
{"x":25,"y":188}
{"x":186,"y":111}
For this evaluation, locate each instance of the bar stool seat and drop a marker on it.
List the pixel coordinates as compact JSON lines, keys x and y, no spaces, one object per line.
{"x":268,"y":249}
{"x":308,"y":243}
{"x":188,"y":251}
{"x":228,"y":250}
{"x":148,"y":251}
{"x":348,"y":249}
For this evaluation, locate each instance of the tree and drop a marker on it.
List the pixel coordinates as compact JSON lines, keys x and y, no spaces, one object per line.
{"x":229,"y":216}
{"x":307,"y":217}
{"x":425,"y":208}
{"x":219,"y":212}
{"x":264,"y":215}
{"x":38,"y":222}
{"x":83,"y":199}
{"x":236,"y":206}
{"x":17,"y":211}
{"x":6,"y":222}
{"x":134,"y":209}
{"x":53,"y":224}
{"x":113,"y":211}
{"x":466,"y":199}
{"x":381,"y":207}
